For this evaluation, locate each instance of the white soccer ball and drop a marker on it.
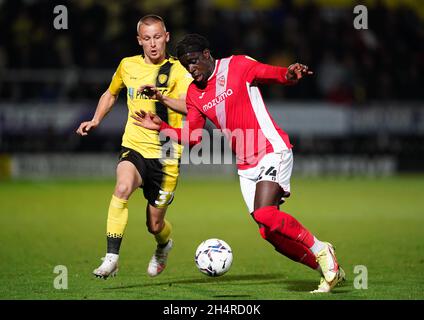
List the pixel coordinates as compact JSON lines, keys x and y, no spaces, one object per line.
{"x":213,"y":257}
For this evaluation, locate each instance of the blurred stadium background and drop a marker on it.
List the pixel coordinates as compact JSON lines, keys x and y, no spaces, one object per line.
{"x":362,"y":112}
{"x":360,"y":117}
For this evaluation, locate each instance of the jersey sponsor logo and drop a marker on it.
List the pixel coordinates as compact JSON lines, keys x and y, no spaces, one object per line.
{"x":141,"y":95}
{"x":162,"y":78}
{"x":217,"y":100}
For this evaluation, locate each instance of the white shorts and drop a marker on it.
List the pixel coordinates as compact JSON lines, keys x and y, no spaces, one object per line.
{"x":275,"y":167}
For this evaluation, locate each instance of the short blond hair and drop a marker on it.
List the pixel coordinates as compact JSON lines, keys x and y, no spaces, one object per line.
{"x":150,"y":19}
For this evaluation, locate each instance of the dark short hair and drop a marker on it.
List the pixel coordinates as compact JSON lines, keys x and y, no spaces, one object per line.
{"x":191,"y":43}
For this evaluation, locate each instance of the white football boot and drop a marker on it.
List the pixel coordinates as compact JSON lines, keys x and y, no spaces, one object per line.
{"x":332,"y":273}
{"x":325,"y":287}
{"x":109,"y":267}
{"x":326,"y":259}
{"x":159,"y":259}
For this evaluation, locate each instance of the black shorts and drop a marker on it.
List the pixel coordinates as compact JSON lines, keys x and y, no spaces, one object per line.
{"x":159,"y":177}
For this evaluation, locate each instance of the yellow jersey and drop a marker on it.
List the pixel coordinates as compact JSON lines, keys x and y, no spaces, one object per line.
{"x":172,"y":79}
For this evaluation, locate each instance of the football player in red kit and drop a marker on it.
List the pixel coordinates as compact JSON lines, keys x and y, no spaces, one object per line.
{"x":225,"y":92}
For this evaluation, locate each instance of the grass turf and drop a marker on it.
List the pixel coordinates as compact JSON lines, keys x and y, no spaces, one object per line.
{"x":377,"y":223}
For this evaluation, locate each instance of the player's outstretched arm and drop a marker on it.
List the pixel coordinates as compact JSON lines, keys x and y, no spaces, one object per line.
{"x":297,"y":71}
{"x":187,"y":135}
{"x":178,"y":105}
{"x":258,"y":72}
{"x":106,"y":102}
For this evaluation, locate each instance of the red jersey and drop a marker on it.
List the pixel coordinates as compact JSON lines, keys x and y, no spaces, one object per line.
{"x":233,"y":102}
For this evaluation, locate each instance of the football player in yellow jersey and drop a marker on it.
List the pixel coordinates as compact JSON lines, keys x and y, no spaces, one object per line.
{"x":145,"y":161}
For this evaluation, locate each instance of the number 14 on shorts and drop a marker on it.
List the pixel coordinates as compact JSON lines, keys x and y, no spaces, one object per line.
{"x":268,"y":174}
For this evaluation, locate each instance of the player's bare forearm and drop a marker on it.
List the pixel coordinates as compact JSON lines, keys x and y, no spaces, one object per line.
{"x":105,"y":104}
{"x":178,"y":105}
{"x":152,"y":121}
{"x":152,"y":92}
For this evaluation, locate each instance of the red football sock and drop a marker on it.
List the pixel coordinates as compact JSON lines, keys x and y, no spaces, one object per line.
{"x":284,"y":224}
{"x":290,"y":248}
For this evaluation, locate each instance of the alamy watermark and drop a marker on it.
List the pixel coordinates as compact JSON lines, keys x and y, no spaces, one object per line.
{"x":217,"y":146}
{"x":361,"y":20}
{"x":360,"y":281}
{"x":60,"y":282}
{"x":61,"y":19}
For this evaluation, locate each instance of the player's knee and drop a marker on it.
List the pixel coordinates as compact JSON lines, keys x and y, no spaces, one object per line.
{"x":264,"y":216}
{"x":122,"y":190}
{"x":269,"y":216}
{"x":154,"y":227}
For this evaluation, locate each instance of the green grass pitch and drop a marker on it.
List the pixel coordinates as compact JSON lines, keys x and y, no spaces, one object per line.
{"x":377,"y":223}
